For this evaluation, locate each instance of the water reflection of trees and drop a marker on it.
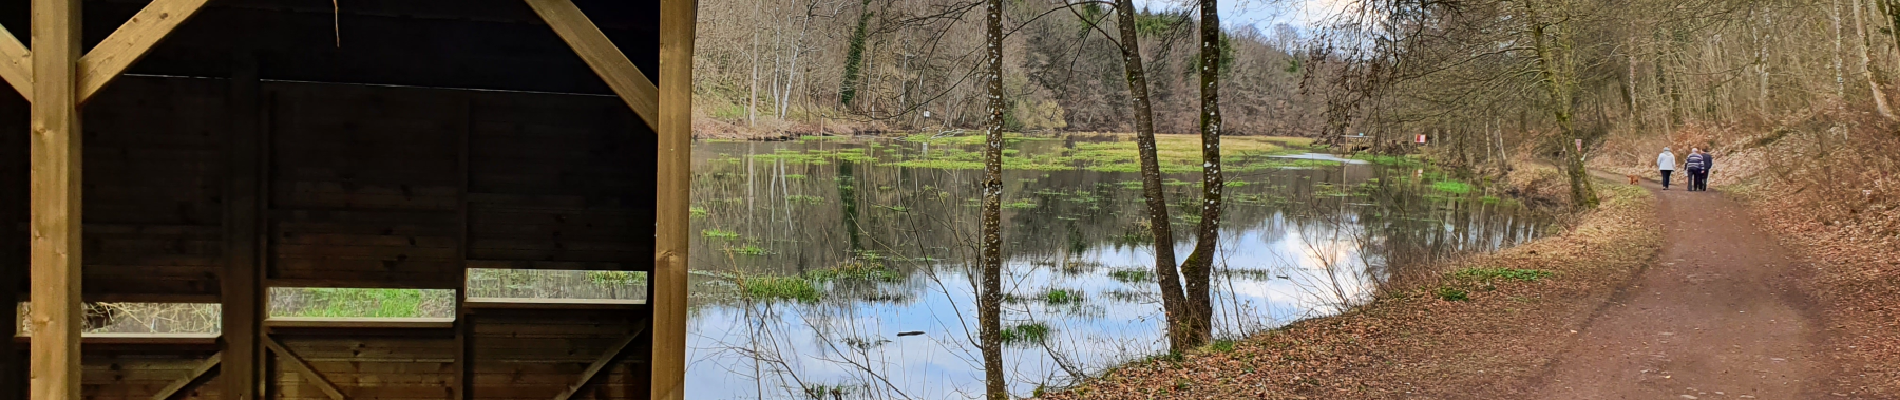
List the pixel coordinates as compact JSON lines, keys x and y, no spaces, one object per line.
{"x":1353,"y":227}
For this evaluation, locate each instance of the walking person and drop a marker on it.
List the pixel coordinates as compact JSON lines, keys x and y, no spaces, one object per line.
{"x":1708,"y":165}
{"x":1697,"y":163}
{"x":1666,"y":162}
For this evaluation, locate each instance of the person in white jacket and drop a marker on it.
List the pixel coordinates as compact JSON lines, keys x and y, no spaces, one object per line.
{"x":1666,"y":162}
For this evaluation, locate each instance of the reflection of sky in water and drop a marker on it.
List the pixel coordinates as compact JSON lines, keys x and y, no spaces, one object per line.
{"x":1272,"y":269}
{"x":1283,"y":277}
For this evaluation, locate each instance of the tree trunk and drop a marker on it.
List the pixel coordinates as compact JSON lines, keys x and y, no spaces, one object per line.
{"x":992,"y":257}
{"x":1198,"y":269}
{"x":752,"y":109}
{"x":1558,"y":76}
{"x":1840,"y":67}
{"x":1867,"y":65}
{"x":1173,"y":302}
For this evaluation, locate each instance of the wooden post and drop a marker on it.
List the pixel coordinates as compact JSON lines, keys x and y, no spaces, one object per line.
{"x":677,"y":19}
{"x":56,"y":191}
{"x":240,"y":283}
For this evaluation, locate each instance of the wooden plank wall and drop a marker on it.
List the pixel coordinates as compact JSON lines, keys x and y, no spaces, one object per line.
{"x":365,"y":188}
{"x":364,"y":185}
{"x":13,"y":239}
{"x":550,"y":189}
{"x":138,"y":373}
{"x":153,"y":188}
{"x":514,"y":361}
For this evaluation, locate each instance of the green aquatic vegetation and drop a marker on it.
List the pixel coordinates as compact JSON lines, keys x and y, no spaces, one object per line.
{"x":1256,"y":274}
{"x":750,"y":250}
{"x":1020,"y":204}
{"x":1234,"y":184}
{"x":1130,"y":275}
{"x":1453,"y":187}
{"x":1329,"y":189}
{"x":780,"y":288}
{"x":805,"y":199}
{"x":1391,"y":161}
{"x":1061,"y":296}
{"x":1025,"y":333}
{"x":717,"y":233}
{"x":696,"y":211}
{"x":855,"y":270}
{"x":1488,"y":199}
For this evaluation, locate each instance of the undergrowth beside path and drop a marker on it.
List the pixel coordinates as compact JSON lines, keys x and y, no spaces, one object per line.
{"x":1485,"y":324}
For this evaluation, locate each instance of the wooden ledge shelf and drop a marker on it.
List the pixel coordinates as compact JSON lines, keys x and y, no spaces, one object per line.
{"x":359,"y":323}
{"x":132,"y":339}
{"x":553,"y":304}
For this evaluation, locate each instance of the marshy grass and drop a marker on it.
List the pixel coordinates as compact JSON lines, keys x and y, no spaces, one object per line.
{"x":717,"y":233}
{"x":1061,"y":296}
{"x":780,"y":288}
{"x":750,"y":250}
{"x":1130,"y":275}
{"x":855,"y":270}
{"x":1453,"y":187}
{"x":1030,"y":333}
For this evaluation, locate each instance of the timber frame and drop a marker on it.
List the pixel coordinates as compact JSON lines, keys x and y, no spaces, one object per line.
{"x":241,"y":145}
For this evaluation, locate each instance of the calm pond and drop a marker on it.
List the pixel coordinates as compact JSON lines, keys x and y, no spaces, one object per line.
{"x":810,"y":257}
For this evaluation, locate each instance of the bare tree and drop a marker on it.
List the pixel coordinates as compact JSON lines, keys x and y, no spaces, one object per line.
{"x":992,"y":257}
{"x":1200,"y":263}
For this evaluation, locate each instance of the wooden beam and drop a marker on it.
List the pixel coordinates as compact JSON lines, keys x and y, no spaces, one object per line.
{"x":360,"y":323}
{"x":16,"y":64}
{"x":55,"y":190}
{"x":303,"y":367}
{"x":606,"y":360}
{"x":130,"y":42}
{"x":240,"y":285}
{"x":555,"y":304}
{"x":671,"y":241}
{"x":600,"y":53}
{"x":198,"y":377}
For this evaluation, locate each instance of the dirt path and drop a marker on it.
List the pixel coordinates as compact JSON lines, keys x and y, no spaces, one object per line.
{"x":1716,"y":318}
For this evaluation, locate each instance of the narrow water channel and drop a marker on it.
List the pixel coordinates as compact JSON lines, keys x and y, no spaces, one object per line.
{"x":841,"y":269}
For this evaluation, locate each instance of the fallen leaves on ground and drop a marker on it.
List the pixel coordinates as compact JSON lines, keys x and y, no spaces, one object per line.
{"x":1409,"y":343}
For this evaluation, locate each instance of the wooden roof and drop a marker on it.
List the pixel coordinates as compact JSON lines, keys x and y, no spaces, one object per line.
{"x":468,"y":44}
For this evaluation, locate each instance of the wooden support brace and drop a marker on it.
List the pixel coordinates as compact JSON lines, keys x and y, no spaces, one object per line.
{"x":16,"y":64}
{"x":130,"y":42}
{"x":303,"y":367}
{"x":600,"y":54}
{"x":606,"y":360}
{"x":198,"y":377}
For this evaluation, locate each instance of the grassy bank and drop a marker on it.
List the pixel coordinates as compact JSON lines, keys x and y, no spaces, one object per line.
{"x":1472,"y":326}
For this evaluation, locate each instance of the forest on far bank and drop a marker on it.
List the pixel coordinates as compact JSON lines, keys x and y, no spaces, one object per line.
{"x":774,"y":68}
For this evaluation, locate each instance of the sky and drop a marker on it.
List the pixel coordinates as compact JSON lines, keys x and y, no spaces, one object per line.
{"x":1261,"y":14}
